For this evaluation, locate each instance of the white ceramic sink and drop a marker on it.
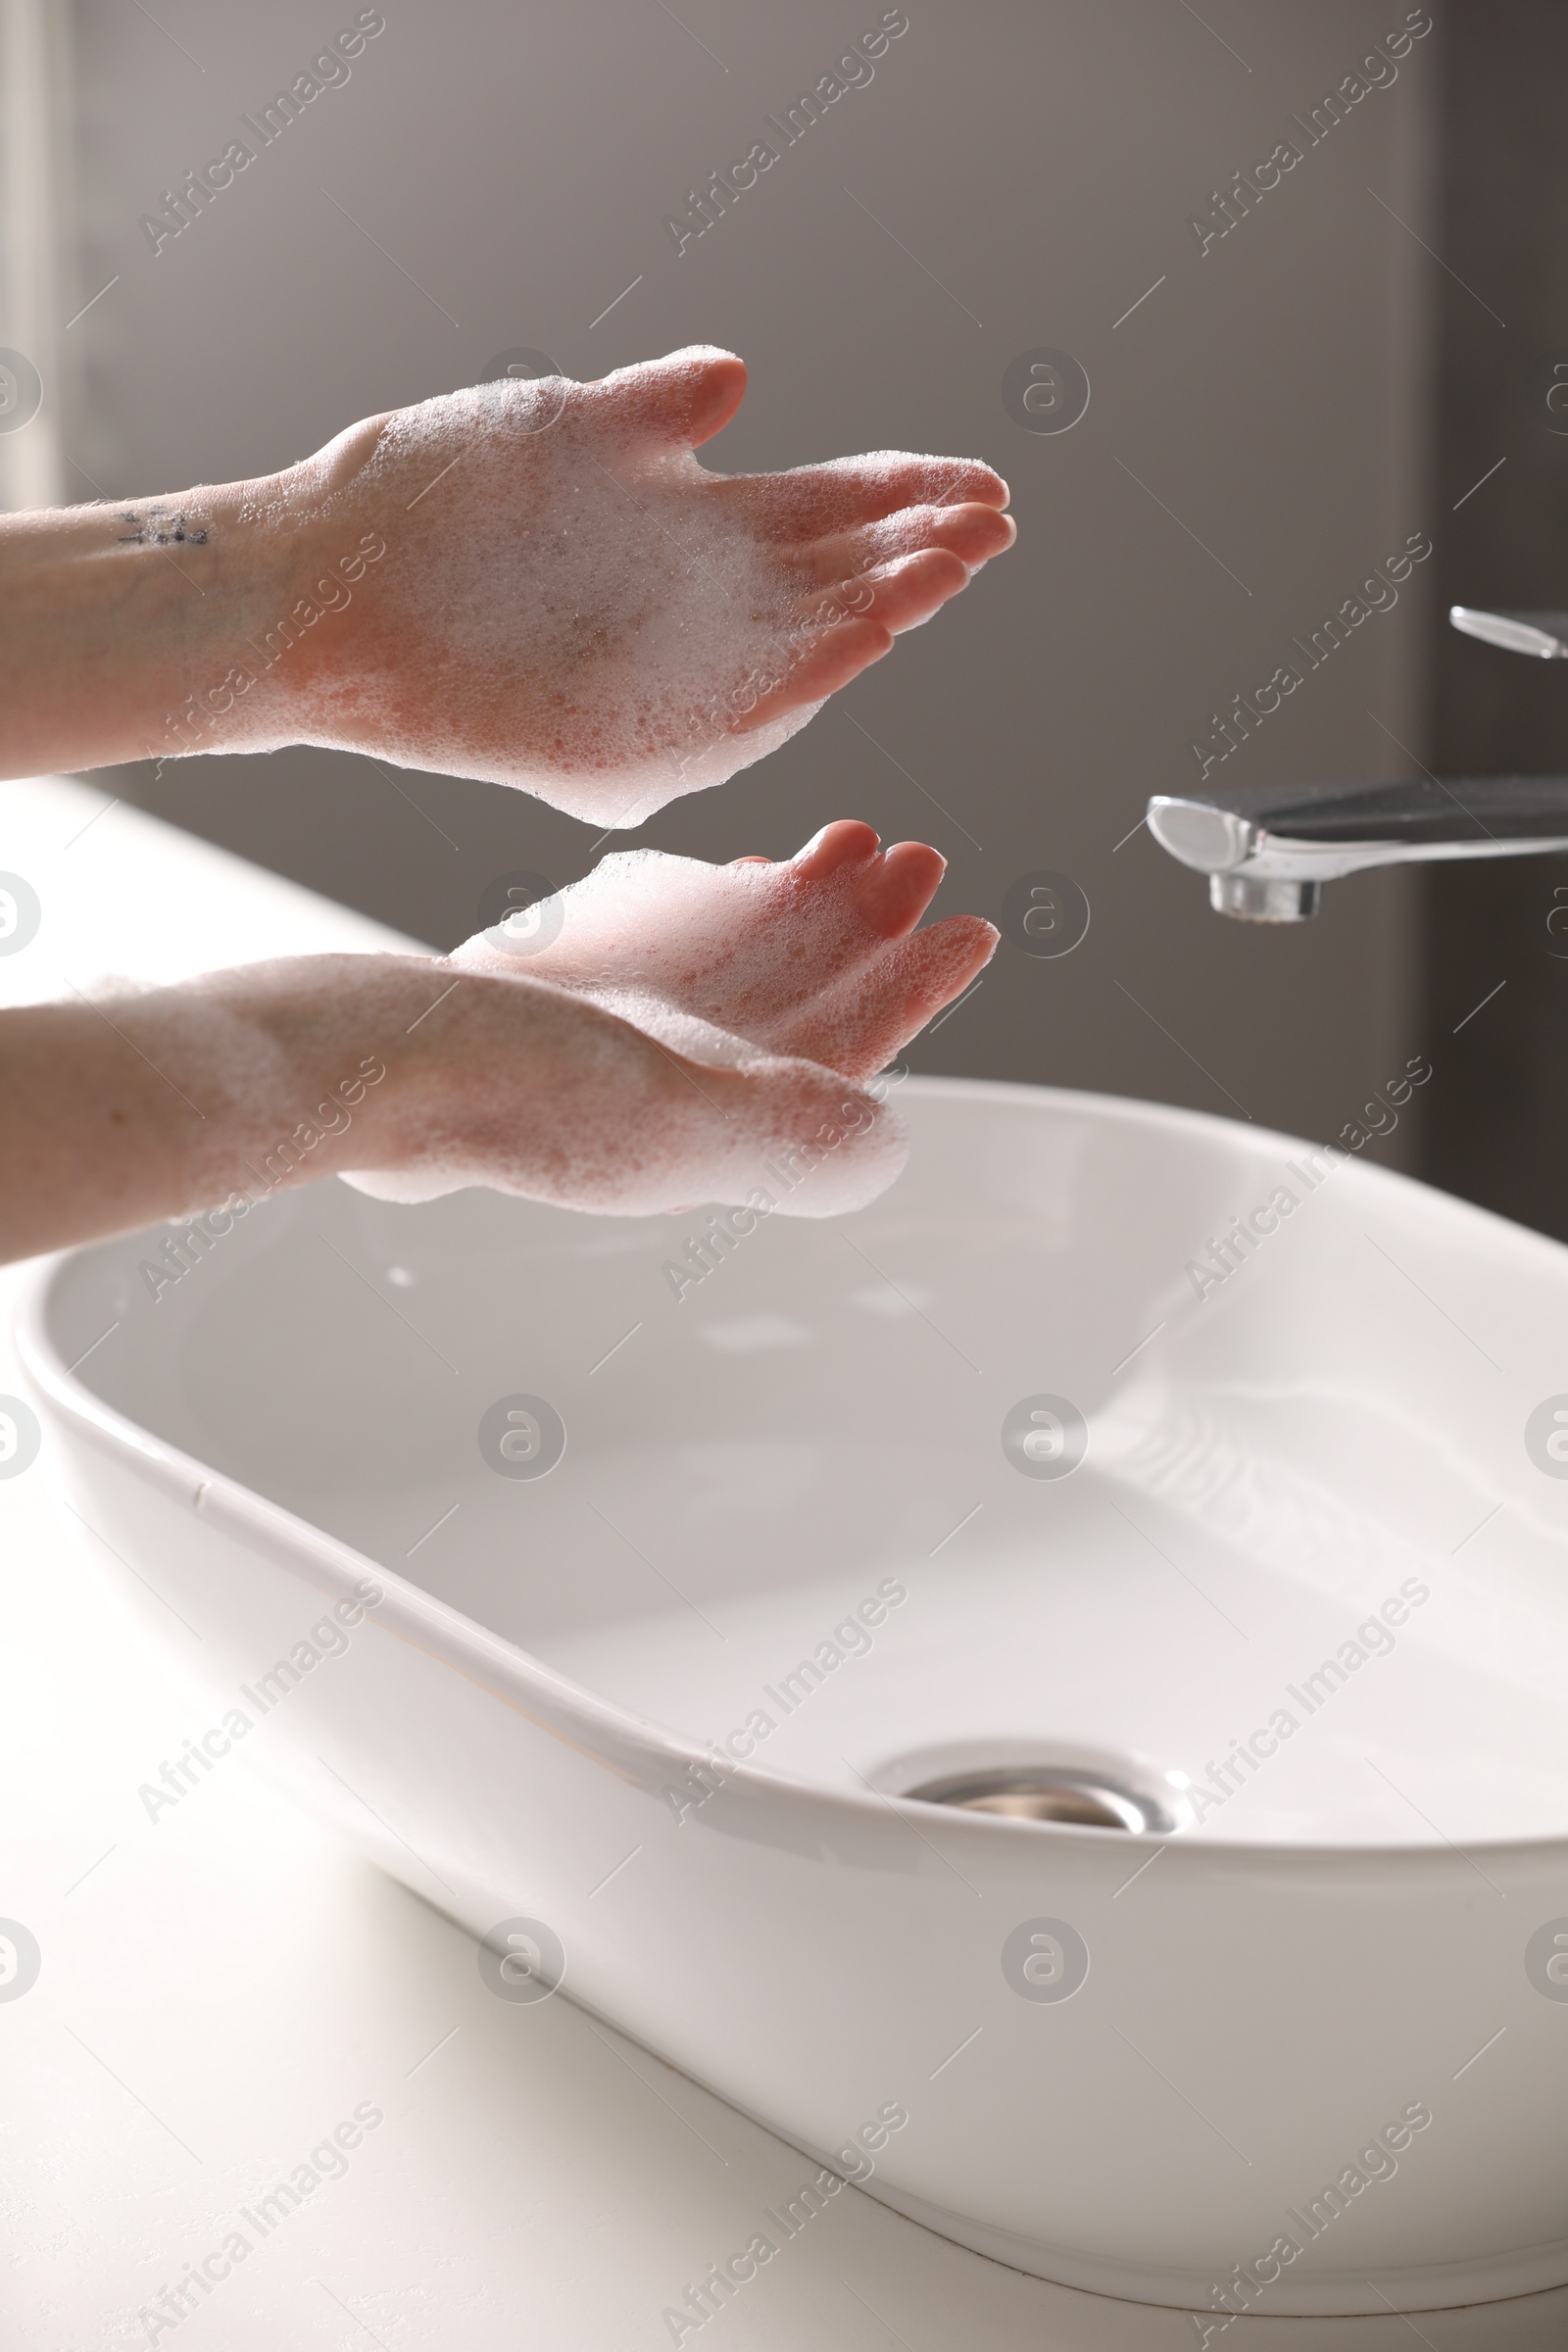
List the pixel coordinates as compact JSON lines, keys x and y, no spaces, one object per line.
{"x":1130,"y":2060}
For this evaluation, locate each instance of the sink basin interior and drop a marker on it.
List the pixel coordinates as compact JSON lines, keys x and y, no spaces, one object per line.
{"x":786,"y":1526}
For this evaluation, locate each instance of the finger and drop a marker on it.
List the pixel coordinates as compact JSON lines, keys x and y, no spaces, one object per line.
{"x":900,"y":887}
{"x":862,"y":1025}
{"x":973,"y":533}
{"x":861,"y":619}
{"x":812,"y":500}
{"x":678,"y":402}
{"x":899,"y":596}
{"x":831,"y":661}
{"x":936,"y":966}
{"x":837,"y":845}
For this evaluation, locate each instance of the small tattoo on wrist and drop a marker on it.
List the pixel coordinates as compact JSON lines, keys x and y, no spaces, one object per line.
{"x":161,"y":529}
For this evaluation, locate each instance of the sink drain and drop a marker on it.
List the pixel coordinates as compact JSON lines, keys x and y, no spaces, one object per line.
{"x":1048,"y":1793}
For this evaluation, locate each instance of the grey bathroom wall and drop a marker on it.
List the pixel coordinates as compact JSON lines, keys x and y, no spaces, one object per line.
{"x":1014,"y":177}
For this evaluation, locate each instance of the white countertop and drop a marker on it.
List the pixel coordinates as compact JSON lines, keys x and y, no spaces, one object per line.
{"x":220,"y":1987}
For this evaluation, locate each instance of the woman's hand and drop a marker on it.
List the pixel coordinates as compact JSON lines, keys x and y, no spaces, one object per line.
{"x":817,"y":957}
{"x":534,"y":582}
{"x":252,"y":1081}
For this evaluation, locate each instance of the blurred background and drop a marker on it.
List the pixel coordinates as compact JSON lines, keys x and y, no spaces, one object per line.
{"x":1286,"y":386}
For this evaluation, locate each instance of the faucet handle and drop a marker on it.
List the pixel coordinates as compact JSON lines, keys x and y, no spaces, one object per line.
{"x":1544,"y":635}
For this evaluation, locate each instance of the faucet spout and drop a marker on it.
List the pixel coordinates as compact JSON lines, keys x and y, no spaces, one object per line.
{"x":1269,"y":850}
{"x":1544,"y":635}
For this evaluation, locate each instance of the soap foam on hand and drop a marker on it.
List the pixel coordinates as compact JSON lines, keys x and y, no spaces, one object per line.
{"x":640,"y":629}
{"x":798,"y":980}
{"x":713,"y":961}
{"x":817,"y":957}
{"x":600,"y":1122}
{"x":571,"y":603}
{"x":787,"y":973}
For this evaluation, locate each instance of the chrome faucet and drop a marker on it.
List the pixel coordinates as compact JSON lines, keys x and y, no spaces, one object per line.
{"x":1269,"y":850}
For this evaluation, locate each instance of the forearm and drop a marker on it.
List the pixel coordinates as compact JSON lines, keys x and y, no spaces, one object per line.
{"x":247,"y":1082}
{"x":146,"y":1107}
{"x":175,"y":625}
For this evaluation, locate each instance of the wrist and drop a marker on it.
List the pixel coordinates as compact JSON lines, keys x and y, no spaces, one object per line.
{"x":326,"y":1054}
{"x":159,"y":1107}
{"x":315,"y":555}
{"x":203,"y":621}
{"x":125,"y":619}
{"x":288,"y":563}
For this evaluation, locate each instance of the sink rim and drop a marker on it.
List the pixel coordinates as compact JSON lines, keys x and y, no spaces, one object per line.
{"x":598,"y":1725}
